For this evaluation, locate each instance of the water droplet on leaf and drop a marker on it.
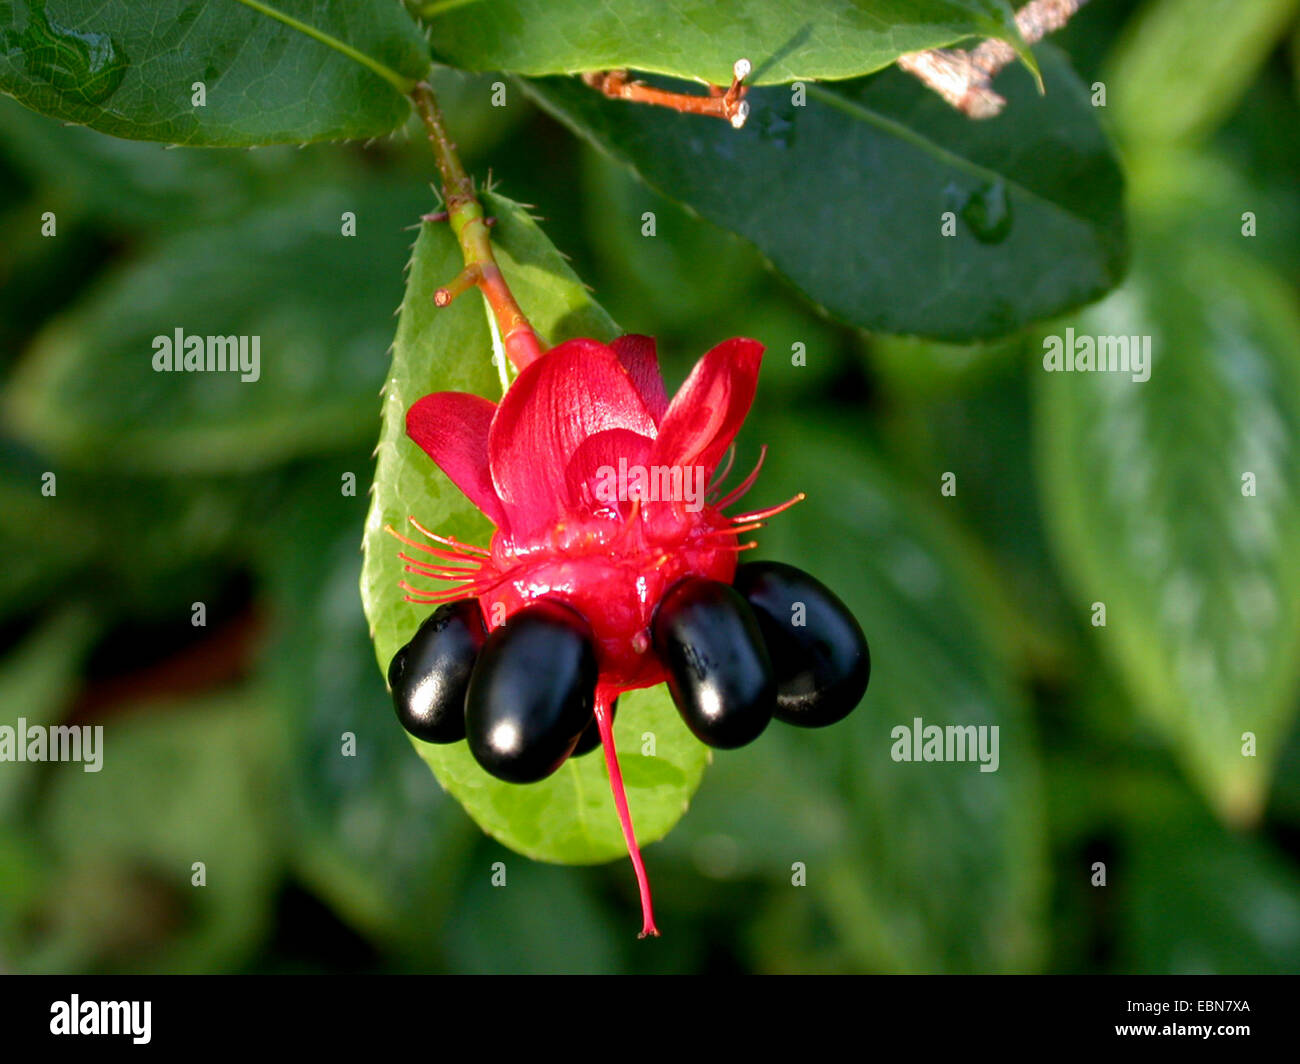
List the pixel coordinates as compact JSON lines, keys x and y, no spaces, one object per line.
{"x":83,"y":65}
{"x":987,"y":211}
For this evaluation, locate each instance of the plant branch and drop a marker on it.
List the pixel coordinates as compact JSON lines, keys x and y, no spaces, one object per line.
{"x":465,"y":215}
{"x":728,"y":103}
{"x":965,"y":79}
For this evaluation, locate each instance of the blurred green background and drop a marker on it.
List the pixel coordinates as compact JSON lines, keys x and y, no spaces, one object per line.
{"x":224,"y":740}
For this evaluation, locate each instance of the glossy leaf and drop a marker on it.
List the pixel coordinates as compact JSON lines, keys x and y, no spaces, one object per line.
{"x":701,"y":39}
{"x":130,"y":69}
{"x":570,"y":816}
{"x":1176,"y":503}
{"x":848,"y":195}
{"x":938,"y":865}
{"x":317,"y":301}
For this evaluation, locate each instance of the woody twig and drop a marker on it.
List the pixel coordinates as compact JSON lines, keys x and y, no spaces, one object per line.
{"x":728,"y":103}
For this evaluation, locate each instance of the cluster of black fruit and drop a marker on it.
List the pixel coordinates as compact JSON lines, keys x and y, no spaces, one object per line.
{"x":736,"y":657}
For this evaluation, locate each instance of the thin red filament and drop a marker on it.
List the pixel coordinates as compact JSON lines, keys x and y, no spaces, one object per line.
{"x":450,"y":541}
{"x":763,"y":515}
{"x":460,"y":555}
{"x":735,"y":494}
{"x":603,"y":702}
{"x":725,"y":471}
{"x":458,"y":571}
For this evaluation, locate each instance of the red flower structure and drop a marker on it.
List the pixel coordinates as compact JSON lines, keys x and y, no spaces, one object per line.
{"x":613,"y":566}
{"x":595,"y":483}
{"x":534,"y":463}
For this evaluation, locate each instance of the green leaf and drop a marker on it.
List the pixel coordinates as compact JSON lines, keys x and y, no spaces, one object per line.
{"x":684,"y":271}
{"x":1284,"y":802}
{"x":36,"y":681}
{"x":499,"y":932}
{"x":372,"y":831}
{"x":1199,"y":899}
{"x":180,"y":783}
{"x":736,"y":830}
{"x":847,"y":195}
{"x":569,"y":817}
{"x":1183,"y":65}
{"x":941,"y":865}
{"x":1144,"y":490}
{"x":25,"y":876}
{"x":977,"y":425}
{"x":42,"y":546}
{"x":126,"y":546}
{"x":701,"y":39}
{"x":317,"y":302}
{"x":1202,"y":192}
{"x":285,"y":71}
{"x":1295,"y":59}
{"x":919,"y":369}
{"x":89,"y":179}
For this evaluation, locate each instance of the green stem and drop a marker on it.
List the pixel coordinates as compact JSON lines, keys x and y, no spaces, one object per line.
{"x":465,"y":215}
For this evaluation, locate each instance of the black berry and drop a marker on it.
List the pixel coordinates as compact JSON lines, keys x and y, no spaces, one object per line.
{"x":823,"y":664}
{"x":532,"y":692}
{"x":429,"y":676}
{"x":590,"y":738}
{"x":718,"y":669}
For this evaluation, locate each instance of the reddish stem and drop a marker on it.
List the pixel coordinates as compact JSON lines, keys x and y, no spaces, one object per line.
{"x":465,"y":214}
{"x":728,"y":103}
{"x":605,"y":725}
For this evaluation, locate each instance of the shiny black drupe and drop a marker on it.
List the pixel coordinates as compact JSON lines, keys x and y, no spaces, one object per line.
{"x":719,"y":672}
{"x":818,"y":651}
{"x":532,"y":692}
{"x":429,"y":676}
